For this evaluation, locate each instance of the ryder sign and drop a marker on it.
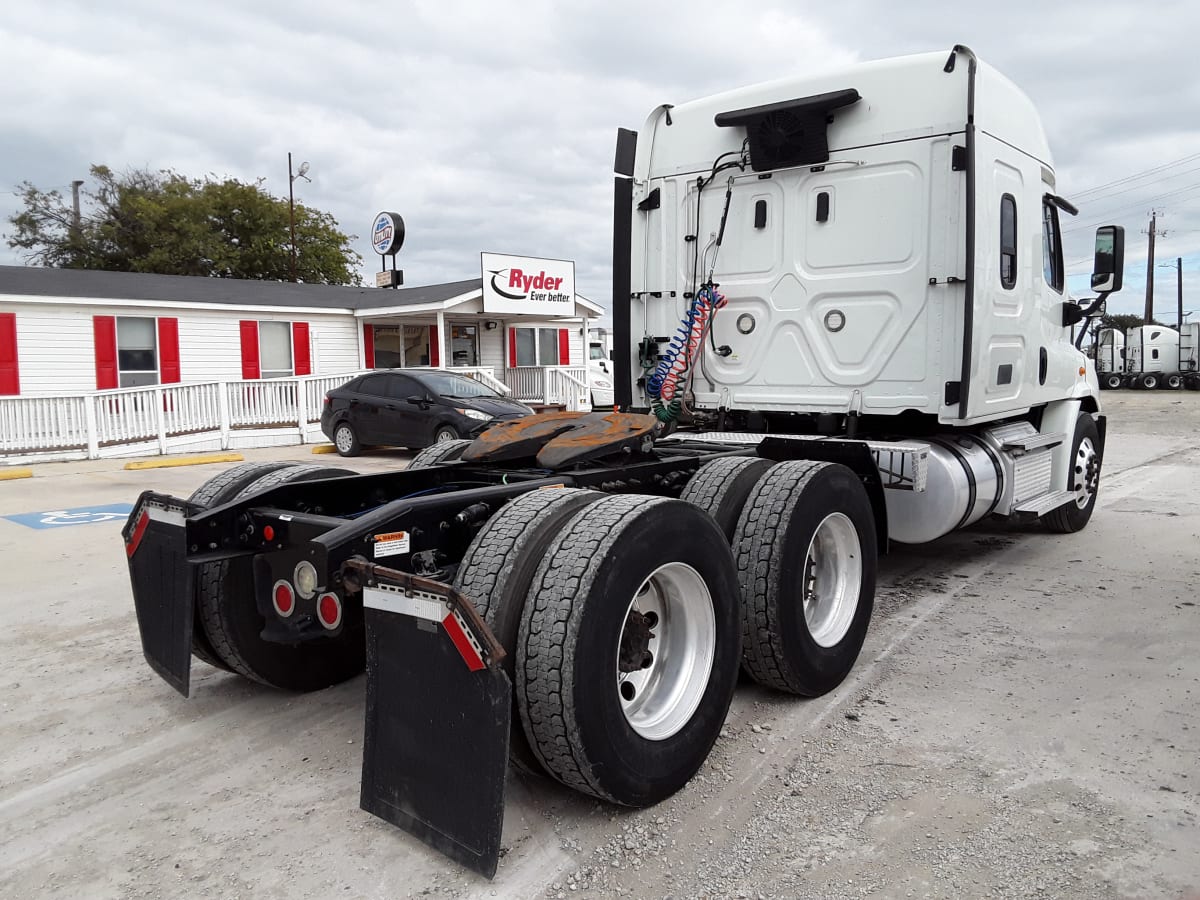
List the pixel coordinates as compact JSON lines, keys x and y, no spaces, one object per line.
{"x":527,"y":285}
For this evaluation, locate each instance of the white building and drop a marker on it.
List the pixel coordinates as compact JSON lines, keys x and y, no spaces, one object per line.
{"x":68,"y":333}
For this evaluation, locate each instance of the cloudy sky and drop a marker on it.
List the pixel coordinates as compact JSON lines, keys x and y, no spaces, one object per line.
{"x":490,"y":126}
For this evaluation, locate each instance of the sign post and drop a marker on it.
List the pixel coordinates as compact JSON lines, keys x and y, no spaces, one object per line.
{"x":387,"y":236}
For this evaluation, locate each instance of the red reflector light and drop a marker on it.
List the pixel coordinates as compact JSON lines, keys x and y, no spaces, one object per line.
{"x":284,"y":599}
{"x":268,"y":533}
{"x":329,"y":611}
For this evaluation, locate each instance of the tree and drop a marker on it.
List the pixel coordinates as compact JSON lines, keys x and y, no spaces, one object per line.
{"x":162,"y":222}
{"x":1123,"y":321}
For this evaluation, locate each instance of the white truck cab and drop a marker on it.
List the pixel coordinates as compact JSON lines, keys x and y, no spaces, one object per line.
{"x":874,"y":252}
{"x":1152,"y":356}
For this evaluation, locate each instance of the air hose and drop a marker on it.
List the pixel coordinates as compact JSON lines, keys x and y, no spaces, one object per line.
{"x":682,"y":354}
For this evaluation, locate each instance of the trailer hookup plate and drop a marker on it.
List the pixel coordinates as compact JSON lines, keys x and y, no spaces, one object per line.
{"x":435,"y":751}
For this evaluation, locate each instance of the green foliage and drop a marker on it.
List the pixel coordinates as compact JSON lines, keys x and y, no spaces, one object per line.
{"x":165,"y":223}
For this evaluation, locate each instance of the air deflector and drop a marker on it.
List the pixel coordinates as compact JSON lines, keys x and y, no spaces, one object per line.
{"x":791,"y":132}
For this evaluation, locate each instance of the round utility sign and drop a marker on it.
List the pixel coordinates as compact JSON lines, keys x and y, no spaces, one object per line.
{"x":387,"y":234}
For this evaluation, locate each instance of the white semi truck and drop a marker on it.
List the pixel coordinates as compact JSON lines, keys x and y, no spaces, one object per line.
{"x":1110,"y":358}
{"x":1152,"y":358}
{"x":840,"y":323}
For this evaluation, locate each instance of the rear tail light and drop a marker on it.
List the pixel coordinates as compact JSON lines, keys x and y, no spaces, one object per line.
{"x":328,"y":400}
{"x":329,"y":610}
{"x":283,"y":598}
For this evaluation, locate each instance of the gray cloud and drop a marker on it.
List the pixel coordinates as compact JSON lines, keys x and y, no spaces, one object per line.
{"x":491,"y":126}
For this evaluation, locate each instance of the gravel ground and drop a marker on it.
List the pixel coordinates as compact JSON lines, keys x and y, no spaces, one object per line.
{"x":1022,"y":722}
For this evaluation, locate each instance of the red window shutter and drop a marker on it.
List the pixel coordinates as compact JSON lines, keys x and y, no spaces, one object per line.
{"x":10,"y":370}
{"x":250,"y":367}
{"x":104,"y":329}
{"x":564,"y":346}
{"x":168,"y":351}
{"x":301,"y":356}
{"x":435,"y":357}
{"x":512,"y":348}
{"x":368,"y":346}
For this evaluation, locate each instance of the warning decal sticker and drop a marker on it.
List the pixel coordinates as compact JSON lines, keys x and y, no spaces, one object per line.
{"x":394,"y":543}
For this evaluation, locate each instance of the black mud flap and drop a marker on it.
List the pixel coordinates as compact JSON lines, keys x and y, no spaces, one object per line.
{"x":435,"y":753}
{"x":161,"y":577}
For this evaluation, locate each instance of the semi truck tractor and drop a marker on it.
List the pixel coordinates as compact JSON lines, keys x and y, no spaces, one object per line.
{"x":1152,"y":358}
{"x":1110,"y":358}
{"x":840,"y":324}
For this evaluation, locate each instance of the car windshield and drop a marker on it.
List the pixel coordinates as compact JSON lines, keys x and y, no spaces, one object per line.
{"x":445,"y":384}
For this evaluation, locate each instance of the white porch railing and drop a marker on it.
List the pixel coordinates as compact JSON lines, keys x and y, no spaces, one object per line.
{"x":214,"y":415}
{"x":566,"y":385}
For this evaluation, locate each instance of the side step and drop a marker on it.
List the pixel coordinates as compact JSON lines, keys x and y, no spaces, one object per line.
{"x":1033,"y":442}
{"x":1045,"y":503}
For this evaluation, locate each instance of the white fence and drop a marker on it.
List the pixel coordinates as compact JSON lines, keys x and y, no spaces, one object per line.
{"x":565,"y":385}
{"x":214,"y":415}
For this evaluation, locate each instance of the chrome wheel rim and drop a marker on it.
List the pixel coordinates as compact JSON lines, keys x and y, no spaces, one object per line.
{"x":442,"y":436}
{"x":832,"y":579}
{"x":672,"y":624}
{"x":343,"y":439}
{"x":1087,"y":473}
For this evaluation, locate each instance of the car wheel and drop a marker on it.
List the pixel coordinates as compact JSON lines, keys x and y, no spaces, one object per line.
{"x":445,"y":433}
{"x":345,"y":441}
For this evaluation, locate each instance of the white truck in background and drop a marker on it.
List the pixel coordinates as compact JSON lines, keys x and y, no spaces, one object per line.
{"x":600,"y":367}
{"x":1152,"y":358}
{"x":1110,"y":358}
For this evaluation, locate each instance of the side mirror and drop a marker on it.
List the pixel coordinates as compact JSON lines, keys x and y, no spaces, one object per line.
{"x":1110,"y":259}
{"x":417,"y":401}
{"x":1071,"y":314}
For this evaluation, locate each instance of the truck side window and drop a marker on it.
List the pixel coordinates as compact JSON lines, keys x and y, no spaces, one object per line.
{"x":1154,"y":354}
{"x":1008,"y":241}
{"x":1052,"y":261}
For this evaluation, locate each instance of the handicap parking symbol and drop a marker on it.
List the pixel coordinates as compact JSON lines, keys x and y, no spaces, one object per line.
{"x":87,"y":515}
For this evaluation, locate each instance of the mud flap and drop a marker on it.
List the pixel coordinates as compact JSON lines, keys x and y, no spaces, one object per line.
{"x":435,"y":753}
{"x":161,"y":577}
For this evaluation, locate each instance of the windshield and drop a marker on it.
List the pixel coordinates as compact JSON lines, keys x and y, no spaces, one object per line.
{"x":446,"y":384}
{"x":596,"y":352}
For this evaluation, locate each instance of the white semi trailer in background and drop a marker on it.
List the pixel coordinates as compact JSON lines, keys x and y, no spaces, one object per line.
{"x":840,"y":322}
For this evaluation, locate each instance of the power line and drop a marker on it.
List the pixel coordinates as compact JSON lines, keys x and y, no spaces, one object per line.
{"x":1147,"y":201}
{"x":1140,"y":187}
{"x":1135,"y":176}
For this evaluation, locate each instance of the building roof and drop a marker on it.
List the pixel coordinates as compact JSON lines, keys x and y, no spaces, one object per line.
{"x":32,"y":281}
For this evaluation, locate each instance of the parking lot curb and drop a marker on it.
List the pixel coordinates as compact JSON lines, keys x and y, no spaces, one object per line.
{"x":324,"y":448}
{"x":13,"y":474}
{"x":168,"y":462}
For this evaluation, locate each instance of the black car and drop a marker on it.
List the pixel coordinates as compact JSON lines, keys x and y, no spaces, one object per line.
{"x":411,"y":408}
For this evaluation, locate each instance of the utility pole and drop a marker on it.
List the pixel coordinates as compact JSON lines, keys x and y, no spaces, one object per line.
{"x":292,"y":220}
{"x":1149,"y":316}
{"x":75,"y":218}
{"x":1179,"y":289}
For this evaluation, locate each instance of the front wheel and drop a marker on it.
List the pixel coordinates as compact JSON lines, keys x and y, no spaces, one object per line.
{"x":1112,"y":381}
{"x":445,"y":433}
{"x":1084,"y":480}
{"x":627,"y":654}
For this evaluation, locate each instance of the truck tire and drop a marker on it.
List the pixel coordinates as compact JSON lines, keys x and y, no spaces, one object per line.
{"x":1148,"y":381}
{"x":1112,"y":381}
{"x":1172,"y":382}
{"x":1192,"y":382}
{"x":1084,"y":479}
{"x":630,"y":581}
{"x":721,"y":487}
{"x":498,"y":568}
{"x":217,"y":490}
{"x":345,"y":440}
{"x":233,"y":624}
{"x":806,"y":555}
{"x":436,"y":453}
